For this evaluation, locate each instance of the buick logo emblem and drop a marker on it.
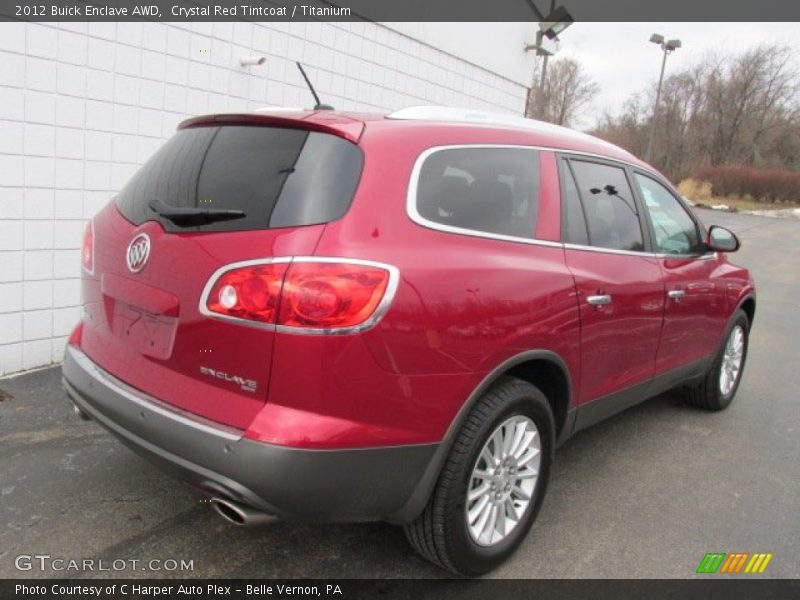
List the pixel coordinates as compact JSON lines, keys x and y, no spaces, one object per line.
{"x":138,"y":252}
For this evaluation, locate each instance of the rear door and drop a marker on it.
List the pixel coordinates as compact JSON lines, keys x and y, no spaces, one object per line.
{"x":695,"y":312}
{"x":142,"y":319}
{"x":619,"y":287}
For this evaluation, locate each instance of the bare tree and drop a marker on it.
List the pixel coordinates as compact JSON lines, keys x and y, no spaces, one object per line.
{"x":567,"y":89}
{"x":741,"y":109}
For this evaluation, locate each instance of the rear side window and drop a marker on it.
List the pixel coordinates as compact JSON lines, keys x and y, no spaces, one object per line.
{"x":611,"y":214}
{"x":492,"y":190}
{"x":278,"y":177}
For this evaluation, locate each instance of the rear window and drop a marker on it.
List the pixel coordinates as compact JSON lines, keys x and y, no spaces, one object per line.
{"x":492,"y":190}
{"x":610,"y":209}
{"x":278,"y":177}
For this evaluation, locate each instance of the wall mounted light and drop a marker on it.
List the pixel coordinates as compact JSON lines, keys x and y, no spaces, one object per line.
{"x":254,"y":60}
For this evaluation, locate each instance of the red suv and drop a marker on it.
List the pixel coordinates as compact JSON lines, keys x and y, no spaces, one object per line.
{"x":326,"y":316}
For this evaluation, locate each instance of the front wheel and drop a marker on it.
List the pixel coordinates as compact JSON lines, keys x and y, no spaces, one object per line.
{"x":719,"y":387}
{"x":492,"y":484}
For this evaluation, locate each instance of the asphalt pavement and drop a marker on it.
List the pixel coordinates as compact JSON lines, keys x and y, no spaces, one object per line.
{"x":644,"y":494}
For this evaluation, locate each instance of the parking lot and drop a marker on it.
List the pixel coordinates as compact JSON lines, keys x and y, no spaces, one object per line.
{"x":645,"y":494}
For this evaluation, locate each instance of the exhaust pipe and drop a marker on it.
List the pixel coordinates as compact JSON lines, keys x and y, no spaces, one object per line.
{"x":241,"y":514}
{"x":76,"y":409}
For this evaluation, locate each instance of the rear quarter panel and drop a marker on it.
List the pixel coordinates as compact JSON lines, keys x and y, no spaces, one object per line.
{"x":463,"y":305}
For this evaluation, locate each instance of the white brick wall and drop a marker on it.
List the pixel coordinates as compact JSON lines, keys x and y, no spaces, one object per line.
{"x":82,"y":105}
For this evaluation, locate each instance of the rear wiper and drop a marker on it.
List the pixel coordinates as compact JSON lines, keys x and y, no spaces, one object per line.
{"x":194,"y":216}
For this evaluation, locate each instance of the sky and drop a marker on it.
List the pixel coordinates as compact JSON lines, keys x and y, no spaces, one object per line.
{"x":620,"y":58}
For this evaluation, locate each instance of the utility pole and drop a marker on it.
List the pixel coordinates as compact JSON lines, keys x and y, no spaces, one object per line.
{"x":540,"y":105}
{"x":667,"y":48}
{"x":539,"y":108}
{"x":549,"y":27}
{"x":532,"y":104}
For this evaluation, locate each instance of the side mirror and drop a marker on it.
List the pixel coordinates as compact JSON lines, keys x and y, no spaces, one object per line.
{"x":722,"y":240}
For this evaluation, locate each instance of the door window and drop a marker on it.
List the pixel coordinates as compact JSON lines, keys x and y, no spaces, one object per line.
{"x":675,"y":231}
{"x":574,"y":228}
{"x":611,"y":213}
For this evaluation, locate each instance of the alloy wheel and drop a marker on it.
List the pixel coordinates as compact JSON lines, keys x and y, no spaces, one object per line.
{"x":731,"y":361}
{"x":503,"y":480}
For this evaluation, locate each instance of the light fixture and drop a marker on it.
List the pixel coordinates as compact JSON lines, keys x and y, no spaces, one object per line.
{"x":666,"y":45}
{"x":556,"y":22}
{"x":253,"y":60}
{"x":544,"y":46}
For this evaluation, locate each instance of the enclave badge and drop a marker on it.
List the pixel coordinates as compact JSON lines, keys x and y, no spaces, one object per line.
{"x":138,"y":252}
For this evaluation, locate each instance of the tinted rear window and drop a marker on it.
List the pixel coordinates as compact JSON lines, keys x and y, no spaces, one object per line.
{"x":610,"y":209}
{"x":278,"y":177}
{"x":488,"y":189}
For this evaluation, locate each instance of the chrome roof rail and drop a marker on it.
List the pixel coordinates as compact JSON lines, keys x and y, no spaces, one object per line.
{"x":282,"y":109}
{"x":467,"y":115}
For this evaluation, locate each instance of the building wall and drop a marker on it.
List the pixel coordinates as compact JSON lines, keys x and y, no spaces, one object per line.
{"x":82,"y":105}
{"x":498,"y":47}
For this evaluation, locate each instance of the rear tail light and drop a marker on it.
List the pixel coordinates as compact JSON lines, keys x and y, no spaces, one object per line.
{"x":331,"y":294}
{"x":250,"y":292}
{"x":87,"y":250}
{"x":76,"y":335}
{"x":304,"y":296}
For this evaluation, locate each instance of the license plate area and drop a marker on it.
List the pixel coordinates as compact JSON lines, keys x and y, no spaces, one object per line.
{"x":149,"y":334}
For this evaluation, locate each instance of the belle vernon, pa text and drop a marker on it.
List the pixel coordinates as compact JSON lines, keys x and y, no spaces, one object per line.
{"x":168,"y":591}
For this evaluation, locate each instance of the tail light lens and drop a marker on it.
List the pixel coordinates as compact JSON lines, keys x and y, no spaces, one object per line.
{"x":331,"y":294}
{"x":302,"y":295}
{"x":76,"y":335}
{"x":87,"y":250}
{"x":251,"y":293}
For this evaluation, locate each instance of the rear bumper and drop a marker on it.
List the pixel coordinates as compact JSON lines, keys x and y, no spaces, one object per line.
{"x":294,"y":484}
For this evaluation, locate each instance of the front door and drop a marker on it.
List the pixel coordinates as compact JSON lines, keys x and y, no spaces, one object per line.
{"x":695,"y":313}
{"x":619,"y":286}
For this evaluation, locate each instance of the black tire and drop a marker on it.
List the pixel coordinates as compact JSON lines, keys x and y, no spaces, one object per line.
{"x":707,"y":394}
{"x":440,"y":533}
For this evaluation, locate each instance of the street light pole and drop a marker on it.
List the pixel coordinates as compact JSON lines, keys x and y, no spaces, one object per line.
{"x":667,"y":48}
{"x":539,"y":108}
{"x":549,"y":27}
{"x":540,"y":105}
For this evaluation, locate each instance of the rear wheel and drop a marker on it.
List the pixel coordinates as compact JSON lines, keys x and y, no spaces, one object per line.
{"x":719,"y":386}
{"x":492,"y":484}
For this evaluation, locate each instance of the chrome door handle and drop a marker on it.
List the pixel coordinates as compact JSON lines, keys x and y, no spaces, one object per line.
{"x":600,"y":300}
{"x":676,"y":294}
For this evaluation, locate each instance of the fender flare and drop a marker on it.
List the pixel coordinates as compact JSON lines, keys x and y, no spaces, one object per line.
{"x":749,"y":295}
{"x":422,"y":492}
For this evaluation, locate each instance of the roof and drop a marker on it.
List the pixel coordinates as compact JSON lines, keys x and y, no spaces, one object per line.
{"x":350,"y":125}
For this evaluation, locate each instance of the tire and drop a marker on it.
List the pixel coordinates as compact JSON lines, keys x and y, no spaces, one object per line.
{"x":442,"y":533}
{"x":711,"y":393}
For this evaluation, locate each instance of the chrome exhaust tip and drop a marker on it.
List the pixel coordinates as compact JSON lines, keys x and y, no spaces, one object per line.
{"x":80,"y":413}
{"x":241,"y":514}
